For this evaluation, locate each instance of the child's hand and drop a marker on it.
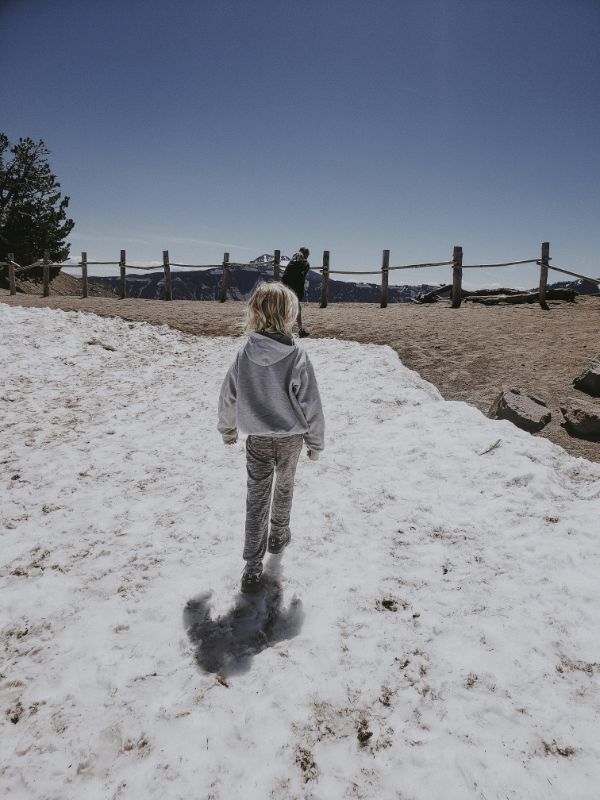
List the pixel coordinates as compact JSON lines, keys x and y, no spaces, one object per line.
{"x":230,"y":438}
{"x":313,"y":454}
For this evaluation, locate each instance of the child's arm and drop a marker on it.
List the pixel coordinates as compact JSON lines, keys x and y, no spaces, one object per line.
{"x":227,"y":425}
{"x":307,"y":393}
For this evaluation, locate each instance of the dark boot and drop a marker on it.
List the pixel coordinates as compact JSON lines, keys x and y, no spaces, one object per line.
{"x":251,"y":579}
{"x":278,"y":541}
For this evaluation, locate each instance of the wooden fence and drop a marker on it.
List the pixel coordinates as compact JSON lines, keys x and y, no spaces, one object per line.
{"x":456,"y":263}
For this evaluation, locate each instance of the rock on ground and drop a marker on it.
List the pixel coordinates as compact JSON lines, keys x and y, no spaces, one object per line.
{"x":523,"y":410}
{"x":582,"y":416}
{"x":589,"y":380}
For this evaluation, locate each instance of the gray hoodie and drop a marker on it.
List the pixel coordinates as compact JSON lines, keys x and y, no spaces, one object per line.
{"x":271,"y":390}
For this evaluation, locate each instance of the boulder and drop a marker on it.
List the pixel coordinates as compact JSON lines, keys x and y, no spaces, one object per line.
{"x":582,"y":416}
{"x":523,"y":410}
{"x":589,"y":380}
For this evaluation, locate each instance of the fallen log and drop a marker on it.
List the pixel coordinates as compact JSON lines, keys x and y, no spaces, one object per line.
{"x":561,"y":294}
{"x":485,"y":295}
{"x":521,"y":297}
{"x":490,"y":292}
{"x":496,"y":300}
{"x":433,"y":296}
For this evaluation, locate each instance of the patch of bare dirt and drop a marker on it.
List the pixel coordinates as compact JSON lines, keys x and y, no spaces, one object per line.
{"x":470,"y":353}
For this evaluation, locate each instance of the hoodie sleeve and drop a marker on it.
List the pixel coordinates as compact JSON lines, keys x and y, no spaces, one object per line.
{"x":227,"y":424}
{"x":307,"y":394}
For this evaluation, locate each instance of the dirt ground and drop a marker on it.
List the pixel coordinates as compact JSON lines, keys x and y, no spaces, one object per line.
{"x":470,"y":353}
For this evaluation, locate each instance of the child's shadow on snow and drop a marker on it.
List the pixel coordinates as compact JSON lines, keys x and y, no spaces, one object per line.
{"x":228,"y":643}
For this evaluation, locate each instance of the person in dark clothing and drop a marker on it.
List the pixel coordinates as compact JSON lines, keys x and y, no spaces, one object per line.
{"x":294,"y":277}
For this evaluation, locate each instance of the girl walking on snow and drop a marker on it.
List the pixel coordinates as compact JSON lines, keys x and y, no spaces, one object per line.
{"x":270,"y":393}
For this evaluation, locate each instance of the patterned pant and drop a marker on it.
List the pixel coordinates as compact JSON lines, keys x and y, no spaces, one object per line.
{"x":268,"y":456}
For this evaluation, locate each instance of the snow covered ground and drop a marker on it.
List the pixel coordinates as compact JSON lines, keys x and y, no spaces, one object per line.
{"x":432,"y":631}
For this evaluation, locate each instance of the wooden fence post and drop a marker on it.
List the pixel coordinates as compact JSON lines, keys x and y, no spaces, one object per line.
{"x":46,"y":269}
{"x":123,"y":281}
{"x":84,"y":275}
{"x":325,"y":280}
{"x":544,"y":275}
{"x":457,"y":260}
{"x":11,"y":273}
{"x":276,"y":265}
{"x":385,"y":269}
{"x":225,"y":281}
{"x":167,"y":268}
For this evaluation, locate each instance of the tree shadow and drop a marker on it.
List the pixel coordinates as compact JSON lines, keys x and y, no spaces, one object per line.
{"x":228,"y":643}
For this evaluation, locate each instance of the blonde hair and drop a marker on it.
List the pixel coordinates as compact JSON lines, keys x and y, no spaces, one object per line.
{"x":272,"y":307}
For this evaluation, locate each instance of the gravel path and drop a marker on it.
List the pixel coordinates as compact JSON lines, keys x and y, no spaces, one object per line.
{"x":469,"y":353}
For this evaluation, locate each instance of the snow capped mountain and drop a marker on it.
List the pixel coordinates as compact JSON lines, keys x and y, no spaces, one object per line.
{"x":580,"y":286}
{"x":267,"y":258}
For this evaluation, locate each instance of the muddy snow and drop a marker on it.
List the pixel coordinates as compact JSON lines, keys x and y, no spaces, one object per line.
{"x":431,"y":632}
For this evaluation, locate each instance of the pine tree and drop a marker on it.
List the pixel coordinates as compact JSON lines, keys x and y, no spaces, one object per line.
{"x":33,"y":215}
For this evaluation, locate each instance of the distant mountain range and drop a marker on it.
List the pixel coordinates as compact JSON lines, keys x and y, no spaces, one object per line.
{"x":580,"y":286}
{"x":206,"y":285}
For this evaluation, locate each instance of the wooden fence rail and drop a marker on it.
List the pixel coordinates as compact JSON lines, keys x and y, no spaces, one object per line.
{"x":456,"y":263}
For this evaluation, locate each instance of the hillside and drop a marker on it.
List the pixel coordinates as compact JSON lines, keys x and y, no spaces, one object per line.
{"x":61,"y":284}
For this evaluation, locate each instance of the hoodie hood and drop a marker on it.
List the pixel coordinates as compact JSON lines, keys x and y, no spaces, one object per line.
{"x":264,"y":350}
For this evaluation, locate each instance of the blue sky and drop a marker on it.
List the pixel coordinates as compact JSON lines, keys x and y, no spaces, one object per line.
{"x":412,"y":125}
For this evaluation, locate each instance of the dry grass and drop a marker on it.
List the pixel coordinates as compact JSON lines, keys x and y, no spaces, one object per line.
{"x":469,"y":353}
{"x":62,"y":284}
